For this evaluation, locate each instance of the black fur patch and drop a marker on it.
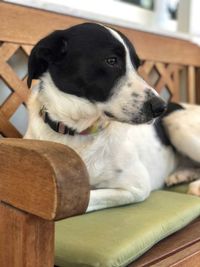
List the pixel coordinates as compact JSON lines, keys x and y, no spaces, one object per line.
{"x":76,"y":59}
{"x":159,"y":127}
{"x":171,"y":107}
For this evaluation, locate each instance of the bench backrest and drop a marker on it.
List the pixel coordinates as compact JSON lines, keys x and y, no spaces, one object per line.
{"x":170,"y":65}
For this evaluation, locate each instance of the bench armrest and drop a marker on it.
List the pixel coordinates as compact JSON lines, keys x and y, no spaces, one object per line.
{"x":43,"y":178}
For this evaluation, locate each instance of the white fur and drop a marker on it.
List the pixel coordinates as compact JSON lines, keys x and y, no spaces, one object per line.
{"x":121,"y":158}
{"x":194,"y":188}
{"x":125,"y":162}
{"x":184,"y":131}
{"x":122,"y":98}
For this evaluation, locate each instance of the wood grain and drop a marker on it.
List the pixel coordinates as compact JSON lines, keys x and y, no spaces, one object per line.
{"x":7,"y":128}
{"x":7,"y":50}
{"x":165,"y":75}
{"x":197,"y":85}
{"x":9,"y":106}
{"x":11,"y":78}
{"x":176,"y":78}
{"x":170,"y":246}
{"x":191,"y":85}
{"x":18,"y":22}
{"x":189,"y":256}
{"x":49,"y":180}
{"x":167,"y":59}
{"x":43,"y":178}
{"x":145,"y":70}
{"x":26,"y":240}
{"x":172,"y":72}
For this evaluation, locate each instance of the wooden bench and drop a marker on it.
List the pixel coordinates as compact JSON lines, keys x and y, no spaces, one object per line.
{"x":26,"y":228}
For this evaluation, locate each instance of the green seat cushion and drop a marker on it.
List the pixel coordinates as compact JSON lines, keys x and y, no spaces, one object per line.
{"x":180,"y":188}
{"x":117,"y":236}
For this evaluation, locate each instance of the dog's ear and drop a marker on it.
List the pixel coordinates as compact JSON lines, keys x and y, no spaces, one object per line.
{"x":49,"y":50}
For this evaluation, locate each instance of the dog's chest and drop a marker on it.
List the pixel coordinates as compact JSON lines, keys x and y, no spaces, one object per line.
{"x":117,"y":152}
{"x":113,"y":155}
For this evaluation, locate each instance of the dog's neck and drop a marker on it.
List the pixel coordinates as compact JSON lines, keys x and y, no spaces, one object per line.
{"x":60,"y":127}
{"x":74,"y":112}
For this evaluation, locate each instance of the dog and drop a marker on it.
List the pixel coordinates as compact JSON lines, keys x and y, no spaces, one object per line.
{"x":91,"y":98}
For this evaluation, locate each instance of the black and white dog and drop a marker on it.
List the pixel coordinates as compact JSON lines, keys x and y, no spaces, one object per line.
{"x":91,"y":98}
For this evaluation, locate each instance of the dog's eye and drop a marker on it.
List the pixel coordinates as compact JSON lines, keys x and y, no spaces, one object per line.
{"x":111,"y":61}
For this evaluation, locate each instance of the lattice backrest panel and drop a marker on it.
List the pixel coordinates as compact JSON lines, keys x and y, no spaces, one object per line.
{"x":167,"y":79}
{"x":13,"y":92}
{"x":173,"y":82}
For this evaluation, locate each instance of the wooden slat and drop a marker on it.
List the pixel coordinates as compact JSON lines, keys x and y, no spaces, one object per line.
{"x":170,"y":246}
{"x":29,"y":20}
{"x":161,"y":82}
{"x":10,"y":77}
{"x":147,"y":66}
{"x":26,"y":26}
{"x":165,"y":78}
{"x":7,"y":128}
{"x":143,"y":74}
{"x":176,"y":78}
{"x":10,"y":105}
{"x":190,"y":256}
{"x":173,"y":70}
{"x":191,"y":85}
{"x":198,"y":86}
{"x":26,"y":240}
{"x":165,"y":74}
{"x":27,"y":49}
{"x":7,"y":50}
{"x":20,"y":94}
{"x":145,"y":70}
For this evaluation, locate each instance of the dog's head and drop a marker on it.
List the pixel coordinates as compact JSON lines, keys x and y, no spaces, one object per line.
{"x":98,"y":64}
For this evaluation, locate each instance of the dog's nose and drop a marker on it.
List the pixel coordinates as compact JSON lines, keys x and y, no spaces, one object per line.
{"x":156,"y":106}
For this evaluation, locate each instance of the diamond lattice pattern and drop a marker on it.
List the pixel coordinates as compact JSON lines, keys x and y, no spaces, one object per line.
{"x":165,"y":78}
{"x":13,"y":90}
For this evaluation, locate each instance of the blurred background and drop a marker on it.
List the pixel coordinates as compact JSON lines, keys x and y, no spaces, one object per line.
{"x":175,"y":18}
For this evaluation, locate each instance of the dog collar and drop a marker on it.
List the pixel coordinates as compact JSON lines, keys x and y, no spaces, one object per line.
{"x":61,"y":128}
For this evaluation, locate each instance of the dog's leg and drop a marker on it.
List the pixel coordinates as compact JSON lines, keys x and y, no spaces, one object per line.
{"x":183,"y":175}
{"x":194,"y":188}
{"x":104,"y":198}
{"x":130,"y":186}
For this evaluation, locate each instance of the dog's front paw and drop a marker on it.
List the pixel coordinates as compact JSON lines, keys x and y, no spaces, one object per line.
{"x":180,"y":176}
{"x":172,"y":179}
{"x":194,"y":188}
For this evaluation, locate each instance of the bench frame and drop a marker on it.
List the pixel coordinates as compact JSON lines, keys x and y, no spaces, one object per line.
{"x":27,"y":212}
